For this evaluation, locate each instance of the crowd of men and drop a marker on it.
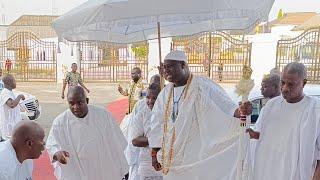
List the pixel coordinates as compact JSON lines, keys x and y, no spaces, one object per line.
{"x":187,"y":130}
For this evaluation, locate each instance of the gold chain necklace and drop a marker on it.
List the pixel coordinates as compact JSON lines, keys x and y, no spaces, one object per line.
{"x":167,"y":157}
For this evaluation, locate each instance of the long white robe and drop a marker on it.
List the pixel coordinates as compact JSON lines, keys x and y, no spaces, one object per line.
{"x":95,"y":144}
{"x":132,"y":152}
{"x":9,"y":117}
{"x":124,"y":125}
{"x":10,"y":167}
{"x":206,"y":145}
{"x":140,"y":126}
{"x":288,"y":146}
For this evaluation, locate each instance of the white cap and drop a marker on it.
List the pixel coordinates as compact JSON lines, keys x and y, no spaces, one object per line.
{"x":176,"y":56}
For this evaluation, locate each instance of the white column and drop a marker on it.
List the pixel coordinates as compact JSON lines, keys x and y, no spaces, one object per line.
{"x":263,"y":55}
{"x":64,"y":60}
{"x":153,"y":56}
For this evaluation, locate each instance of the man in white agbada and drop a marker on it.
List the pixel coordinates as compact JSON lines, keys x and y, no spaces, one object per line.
{"x":194,"y":126}
{"x":139,"y":133}
{"x":132,"y":152}
{"x":9,"y":107}
{"x":288,"y":146}
{"x":270,"y":88}
{"x":27,"y":143}
{"x":85,"y":143}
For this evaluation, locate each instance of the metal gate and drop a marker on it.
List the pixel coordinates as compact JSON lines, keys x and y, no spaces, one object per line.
{"x":304,"y":49}
{"x":112,"y":63}
{"x":216,"y":55}
{"x":28,"y":58}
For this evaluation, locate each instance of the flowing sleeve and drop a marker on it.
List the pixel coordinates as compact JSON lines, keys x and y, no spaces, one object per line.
{"x":119,"y":143}
{"x":258,"y":124}
{"x":218,"y":135}
{"x":216,"y":93}
{"x":3,"y":176}
{"x":263,"y":116}
{"x":318,"y":148}
{"x":116,"y":130}
{"x":138,"y":107}
{"x":318,"y":141}
{"x":156,"y":131}
{"x":135,"y":129}
{"x":52,"y":144}
{"x":216,"y":124}
{"x":5,"y":96}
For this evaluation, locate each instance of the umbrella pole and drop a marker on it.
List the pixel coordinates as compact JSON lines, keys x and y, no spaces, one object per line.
{"x":209,"y":57}
{"x":160,"y":57}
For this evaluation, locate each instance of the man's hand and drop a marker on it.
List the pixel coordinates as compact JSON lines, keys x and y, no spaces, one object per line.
{"x":22,"y":97}
{"x":61,"y":157}
{"x":88,"y":91}
{"x":245,"y":108}
{"x":316,"y":175}
{"x":126,"y":177}
{"x":156,"y":165}
{"x":62,"y":95}
{"x":253,"y":134}
{"x":120,"y":89}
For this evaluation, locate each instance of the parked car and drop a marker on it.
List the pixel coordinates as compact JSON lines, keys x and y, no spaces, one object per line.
{"x":258,"y":100}
{"x":29,"y":108}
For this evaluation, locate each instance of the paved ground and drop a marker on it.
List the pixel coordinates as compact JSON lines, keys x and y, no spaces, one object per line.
{"x":49,"y":96}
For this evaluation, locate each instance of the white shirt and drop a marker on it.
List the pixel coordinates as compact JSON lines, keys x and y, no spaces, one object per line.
{"x":10,"y":167}
{"x":9,"y":117}
{"x":95,"y":144}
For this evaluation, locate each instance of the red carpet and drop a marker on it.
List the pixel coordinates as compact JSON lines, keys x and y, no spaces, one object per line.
{"x":118,"y":109}
{"x":42,"y":166}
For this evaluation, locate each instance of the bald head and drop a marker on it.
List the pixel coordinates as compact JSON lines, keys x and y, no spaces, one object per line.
{"x":293,"y":80}
{"x":273,"y":79}
{"x":25,"y":130}
{"x":28,"y":140}
{"x":296,"y":68}
{"x":155,"y":79}
{"x":77,"y":92}
{"x":270,"y":86}
{"x":9,"y":81}
{"x":275,"y":71}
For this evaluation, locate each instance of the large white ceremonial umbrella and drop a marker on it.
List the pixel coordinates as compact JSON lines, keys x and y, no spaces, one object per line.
{"x":128,"y":21}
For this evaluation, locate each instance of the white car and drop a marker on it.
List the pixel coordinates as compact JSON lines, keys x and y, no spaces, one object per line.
{"x":258,"y":100}
{"x":29,"y":108}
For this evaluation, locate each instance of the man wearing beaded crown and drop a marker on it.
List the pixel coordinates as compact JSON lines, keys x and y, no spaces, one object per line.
{"x":195,"y":129}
